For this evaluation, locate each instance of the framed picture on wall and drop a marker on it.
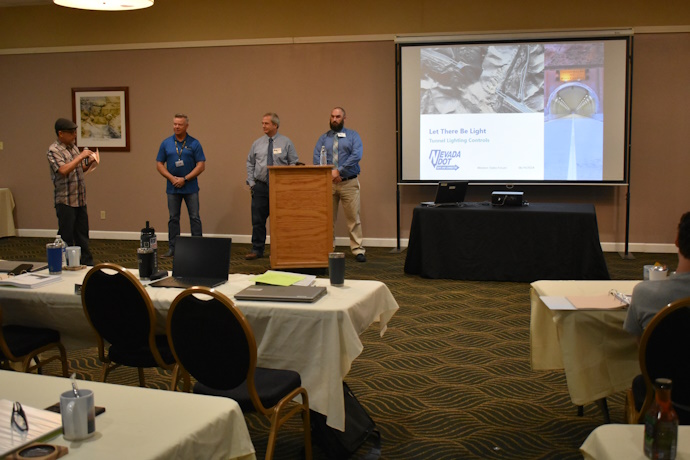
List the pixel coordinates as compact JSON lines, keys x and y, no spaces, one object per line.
{"x":102,"y":118}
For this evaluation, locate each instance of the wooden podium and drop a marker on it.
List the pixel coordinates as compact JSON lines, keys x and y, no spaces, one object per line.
{"x":301,"y":216}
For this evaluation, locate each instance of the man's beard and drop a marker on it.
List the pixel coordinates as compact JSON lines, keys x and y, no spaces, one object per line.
{"x":335,"y":126}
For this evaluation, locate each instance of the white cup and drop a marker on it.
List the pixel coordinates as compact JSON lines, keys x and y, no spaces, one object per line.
{"x":78,"y":415}
{"x":656,"y":274}
{"x":73,"y":256}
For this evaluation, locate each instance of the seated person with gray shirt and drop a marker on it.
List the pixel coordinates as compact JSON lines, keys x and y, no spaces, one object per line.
{"x":649,"y":297}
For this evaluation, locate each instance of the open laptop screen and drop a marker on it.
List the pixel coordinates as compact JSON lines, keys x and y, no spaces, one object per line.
{"x":197,"y":257}
{"x":451,"y":192}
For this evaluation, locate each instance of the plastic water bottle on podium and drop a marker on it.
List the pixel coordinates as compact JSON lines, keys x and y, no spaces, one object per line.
{"x":322,"y":158}
{"x":661,"y":424}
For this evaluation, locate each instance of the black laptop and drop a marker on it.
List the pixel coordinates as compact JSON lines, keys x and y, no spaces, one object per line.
{"x":198,"y":261}
{"x":449,"y":194}
{"x":17,"y":268}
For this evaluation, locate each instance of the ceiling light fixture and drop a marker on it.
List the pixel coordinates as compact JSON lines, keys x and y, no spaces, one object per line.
{"x":105,"y":5}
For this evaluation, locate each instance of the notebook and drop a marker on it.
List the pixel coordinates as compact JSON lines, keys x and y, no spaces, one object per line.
{"x":42,"y":425}
{"x":198,"y":262}
{"x":282,"y":293}
{"x":449,"y":194}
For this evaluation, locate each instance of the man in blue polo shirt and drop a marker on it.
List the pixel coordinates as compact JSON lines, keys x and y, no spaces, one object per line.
{"x":180,"y":160}
{"x":344,"y":151}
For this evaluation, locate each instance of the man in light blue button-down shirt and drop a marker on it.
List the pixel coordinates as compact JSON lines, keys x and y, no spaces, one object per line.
{"x":347,"y":146}
{"x":282,"y":152}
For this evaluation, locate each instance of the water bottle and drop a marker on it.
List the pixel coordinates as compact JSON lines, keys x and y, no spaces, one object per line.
{"x":148,"y":239}
{"x":59,"y":242}
{"x":322,"y":159}
{"x":85,"y":161}
{"x":661,"y":424}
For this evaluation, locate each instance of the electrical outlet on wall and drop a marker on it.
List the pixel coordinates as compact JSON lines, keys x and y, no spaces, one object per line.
{"x":102,"y":214}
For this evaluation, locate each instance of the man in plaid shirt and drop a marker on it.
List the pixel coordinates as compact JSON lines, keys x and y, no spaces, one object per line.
{"x":67,"y":167}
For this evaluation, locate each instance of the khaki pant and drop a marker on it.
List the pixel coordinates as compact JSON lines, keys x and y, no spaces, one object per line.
{"x":347,"y":193}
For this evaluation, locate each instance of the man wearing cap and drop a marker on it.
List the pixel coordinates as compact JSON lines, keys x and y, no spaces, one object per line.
{"x":67,"y":167}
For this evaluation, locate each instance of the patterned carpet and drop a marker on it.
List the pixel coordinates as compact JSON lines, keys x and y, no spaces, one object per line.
{"x":451,"y":378}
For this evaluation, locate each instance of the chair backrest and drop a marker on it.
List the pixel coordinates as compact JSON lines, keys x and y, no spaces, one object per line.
{"x":118,"y":307}
{"x":211,"y":339}
{"x":5,"y":352}
{"x":663,"y":345}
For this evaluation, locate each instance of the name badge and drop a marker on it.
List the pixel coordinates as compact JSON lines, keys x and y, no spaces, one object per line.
{"x":277,"y":151}
{"x":179,"y":163}
{"x":341,"y":135}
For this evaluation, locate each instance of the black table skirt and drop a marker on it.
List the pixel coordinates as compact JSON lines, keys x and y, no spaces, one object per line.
{"x":542,"y":241}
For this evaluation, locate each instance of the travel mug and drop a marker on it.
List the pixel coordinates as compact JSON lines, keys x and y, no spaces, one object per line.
{"x":146,"y":258}
{"x":336,"y":268}
{"x":54,"y":254}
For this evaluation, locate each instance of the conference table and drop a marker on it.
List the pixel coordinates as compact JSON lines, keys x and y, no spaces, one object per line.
{"x":598,"y":356}
{"x":477,"y":241}
{"x":319,"y":340}
{"x":617,"y":442}
{"x":6,"y":213}
{"x":141,"y":423}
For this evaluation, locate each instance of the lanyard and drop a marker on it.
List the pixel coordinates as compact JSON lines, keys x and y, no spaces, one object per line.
{"x":179,"y":153}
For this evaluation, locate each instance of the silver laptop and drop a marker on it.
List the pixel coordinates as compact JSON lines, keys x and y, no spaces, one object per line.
{"x":272,"y":293}
{"x":449,"y":194}
{"x":198,"y":261}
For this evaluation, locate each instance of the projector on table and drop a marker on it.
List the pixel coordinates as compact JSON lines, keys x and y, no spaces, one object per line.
{"x":507,"y":199}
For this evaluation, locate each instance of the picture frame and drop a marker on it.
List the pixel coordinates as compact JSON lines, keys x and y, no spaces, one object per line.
{"x":102,"y":118}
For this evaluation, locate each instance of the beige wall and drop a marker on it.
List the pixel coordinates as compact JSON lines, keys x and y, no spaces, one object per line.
{"x":226,"y":89}
{"x":184,"y":20}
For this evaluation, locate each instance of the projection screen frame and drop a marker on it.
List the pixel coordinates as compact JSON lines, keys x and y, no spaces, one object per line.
{"x":625,"y":35}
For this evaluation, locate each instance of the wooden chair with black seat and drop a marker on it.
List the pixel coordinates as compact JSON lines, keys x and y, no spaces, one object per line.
{"x":121,"y":312}
{"x":24,"y":344}
{"x":663,"y":345}
{"x":213,"y":342}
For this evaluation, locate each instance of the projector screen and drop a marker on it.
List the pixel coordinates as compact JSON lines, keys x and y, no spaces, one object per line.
{"x":528,"y":111}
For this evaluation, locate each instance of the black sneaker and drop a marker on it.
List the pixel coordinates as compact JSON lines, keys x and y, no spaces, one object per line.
{"x":168,"y":254}
{"x":361,"y":258}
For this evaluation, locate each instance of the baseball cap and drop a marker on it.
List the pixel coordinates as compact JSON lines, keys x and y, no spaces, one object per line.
{"x":63,"y":124}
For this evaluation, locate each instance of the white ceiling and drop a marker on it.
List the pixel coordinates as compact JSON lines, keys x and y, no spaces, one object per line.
{"x":24,"y":2}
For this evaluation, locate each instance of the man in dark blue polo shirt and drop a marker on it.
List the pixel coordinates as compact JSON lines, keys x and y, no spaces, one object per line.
{"x":180,"y":160}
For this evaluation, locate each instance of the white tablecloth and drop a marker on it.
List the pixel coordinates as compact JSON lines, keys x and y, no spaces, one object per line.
{"x":142,"y":423}
{"x":599,"y":357}
{"x":624,"y":442}
{"x":6,"y":213}
{"x":319,"y":340}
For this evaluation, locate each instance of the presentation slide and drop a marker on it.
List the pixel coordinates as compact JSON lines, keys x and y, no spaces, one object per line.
{"x":514,"y":112}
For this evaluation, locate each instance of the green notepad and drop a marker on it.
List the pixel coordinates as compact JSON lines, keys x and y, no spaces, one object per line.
{"x":277,"y":278}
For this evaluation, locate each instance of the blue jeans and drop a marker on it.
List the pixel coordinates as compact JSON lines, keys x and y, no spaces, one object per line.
{"x":174,"y":208}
